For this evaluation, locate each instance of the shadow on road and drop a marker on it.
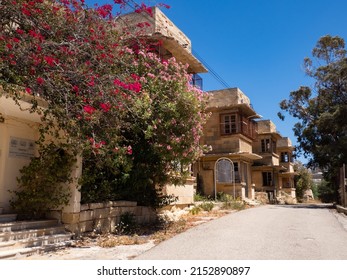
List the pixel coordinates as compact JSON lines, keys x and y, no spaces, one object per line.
{"x":309,"y":206}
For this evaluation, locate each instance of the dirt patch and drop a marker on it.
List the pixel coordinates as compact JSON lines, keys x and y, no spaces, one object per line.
{"x":93,"y":246}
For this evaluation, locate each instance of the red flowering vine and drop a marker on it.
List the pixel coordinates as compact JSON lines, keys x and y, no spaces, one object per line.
{"x":117,"y":102}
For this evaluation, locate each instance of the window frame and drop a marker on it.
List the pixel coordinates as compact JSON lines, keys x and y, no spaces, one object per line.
{"x":228,"y":123}
{"x":267,"y":179}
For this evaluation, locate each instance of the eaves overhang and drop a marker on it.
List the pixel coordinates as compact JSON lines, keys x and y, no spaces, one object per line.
{"x":246,"y":155}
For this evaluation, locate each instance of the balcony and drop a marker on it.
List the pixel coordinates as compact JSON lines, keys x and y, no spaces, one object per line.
{"x":159,"y":27}
{"x":243,"y":126}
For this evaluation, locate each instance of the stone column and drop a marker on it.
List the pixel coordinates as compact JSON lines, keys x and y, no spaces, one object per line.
{"x":253,"y":192}
{"x":71,"y":212}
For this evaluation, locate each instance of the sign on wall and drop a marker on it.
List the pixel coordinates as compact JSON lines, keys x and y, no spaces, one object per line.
{"x":20,"y":147}
{"x":224,"y":171}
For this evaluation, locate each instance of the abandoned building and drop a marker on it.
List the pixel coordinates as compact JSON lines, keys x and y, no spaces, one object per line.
{"x":247,"y":154}
{"x":19,"y":129}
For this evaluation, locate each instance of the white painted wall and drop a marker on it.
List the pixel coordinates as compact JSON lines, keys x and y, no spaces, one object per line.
{"x":21,"y":126}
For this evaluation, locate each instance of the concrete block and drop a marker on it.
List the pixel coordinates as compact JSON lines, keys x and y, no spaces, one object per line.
{"x":70,"y":218}
{"x":96,"y":205}
{"x":102,"y":213}
{"x":129,"y":209}
{"x":115,"y":211}
{"x":86,"y":215}
{"x":102,"y":225}
{"x":73,"y":228}
{"x":86,"y":226}
{"x":114,"y":221}
{"x":108,"y":204}
{"x":124,"y":203}
{"x":84,"y":207}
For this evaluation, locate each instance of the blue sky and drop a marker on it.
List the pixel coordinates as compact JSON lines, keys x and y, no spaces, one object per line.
{"x":257,"y":45}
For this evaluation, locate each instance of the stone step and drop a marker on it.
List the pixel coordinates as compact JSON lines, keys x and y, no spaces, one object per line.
{"x":17,"y":252}
{"x":7,"y":218}
{"x":30,"y":233}
{"x":35,"y":245}
{"x":21,"y":238}
{"x":24,"y":225}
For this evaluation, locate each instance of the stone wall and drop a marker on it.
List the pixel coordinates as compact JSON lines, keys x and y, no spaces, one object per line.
{"x":103,"y":217}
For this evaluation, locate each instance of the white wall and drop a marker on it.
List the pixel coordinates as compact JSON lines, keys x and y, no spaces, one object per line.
{"x":20,"y":127}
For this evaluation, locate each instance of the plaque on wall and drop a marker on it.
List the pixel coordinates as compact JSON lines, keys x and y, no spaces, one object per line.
{"x":19,"y":147}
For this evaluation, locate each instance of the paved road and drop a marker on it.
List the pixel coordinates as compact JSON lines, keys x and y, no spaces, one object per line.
{"x":272,"y":232}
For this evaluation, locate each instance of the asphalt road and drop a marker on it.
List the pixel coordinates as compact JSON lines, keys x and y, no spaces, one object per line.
{"x":271,"y":232}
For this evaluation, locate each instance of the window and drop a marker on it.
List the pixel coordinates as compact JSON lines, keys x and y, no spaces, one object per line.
{"x":237,"y":173}
{"x":267,"y":179}
{"x":284,"y":157}
{"x":197,"y":81}
{"x":228,"y":124}
{"x":265,"y":145}
{"x":224,"y":171}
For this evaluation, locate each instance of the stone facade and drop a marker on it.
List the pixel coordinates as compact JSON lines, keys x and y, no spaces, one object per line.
{"x":261,"y":158}
{"x":103,"y":217}
{"x":159,"y":27}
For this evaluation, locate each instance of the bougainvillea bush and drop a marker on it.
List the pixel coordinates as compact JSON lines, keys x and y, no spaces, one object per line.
{"x":134,"y":117}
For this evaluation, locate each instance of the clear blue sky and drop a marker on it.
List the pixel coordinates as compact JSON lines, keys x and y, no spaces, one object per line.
{"x":257,"y":45}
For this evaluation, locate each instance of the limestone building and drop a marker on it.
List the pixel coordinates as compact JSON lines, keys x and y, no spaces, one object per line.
{"x":247,"y":155}
{"x":19,"y":127}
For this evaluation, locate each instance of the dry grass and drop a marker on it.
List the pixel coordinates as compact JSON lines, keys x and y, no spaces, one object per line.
{"x":156,"y":232}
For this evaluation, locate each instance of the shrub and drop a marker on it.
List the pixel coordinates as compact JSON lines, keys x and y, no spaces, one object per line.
{"x":207,"y":206}
{"x":42,"y":184}
{"x":127,"y":224}
{"x":233,"y":204}
{"x":195,"y":210}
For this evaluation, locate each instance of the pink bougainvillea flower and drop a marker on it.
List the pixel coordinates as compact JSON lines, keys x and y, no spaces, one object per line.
{"x":26,"y":12}
{"x":20,"y":31}
{"x":136,"y":87}
{"x":50,"y":60}
{"x":40,"y":80}
{"x":75,"y":88}
{"x":144,"y":8}
{"x":28,"y":90}
{"x":105,"y":10}
{"x":135,"y":77}
{"x":105,"y":107}
{"x":89,"y":109}
{"x":129,"y":150}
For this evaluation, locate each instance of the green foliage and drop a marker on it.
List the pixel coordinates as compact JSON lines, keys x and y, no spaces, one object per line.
{"x":224,"y":197}
{"x":322,"y":108}
{"x":229,"y":202}
{"x":200,"y":197}
{"x":303,"y":179}
{"x":234,"y":205}
{"x":127,"y":224}
{"x":195,"y":210}
{"x":207,"y":206}
{"x":135,"y":118}
{"x":326,"y":192}
{"x":42,"y":184}
{"x":314,"y":189}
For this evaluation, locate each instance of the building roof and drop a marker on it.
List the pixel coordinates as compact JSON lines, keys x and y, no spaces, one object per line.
{"x":161,"y":28}
{"x":231,"y":98}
